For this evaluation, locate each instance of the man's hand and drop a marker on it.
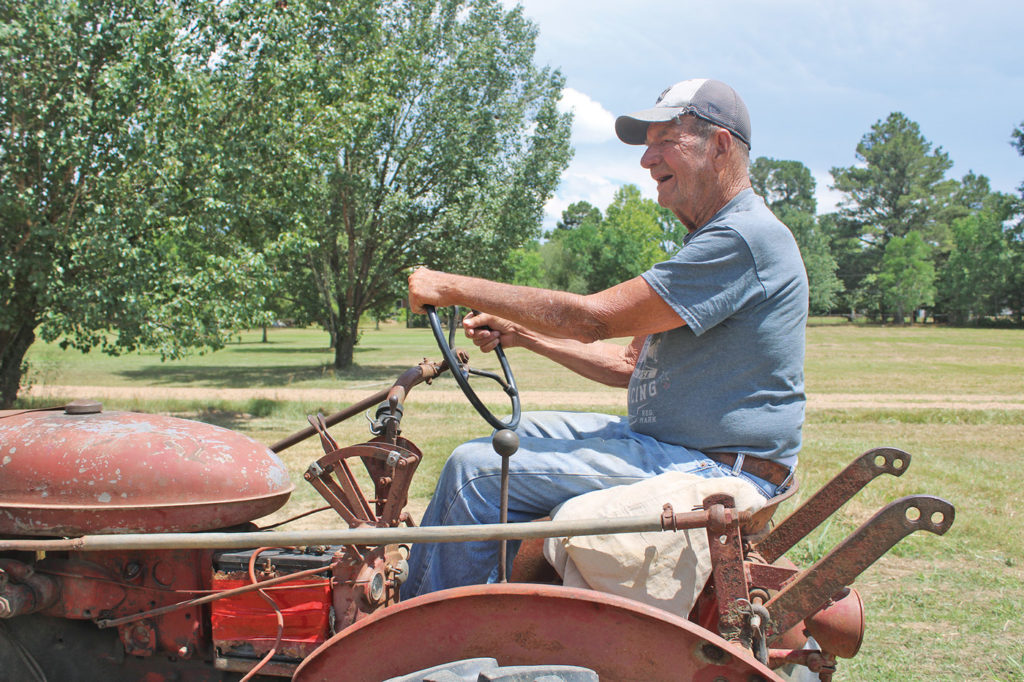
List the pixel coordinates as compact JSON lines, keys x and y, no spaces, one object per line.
{"x":487,"y":331}
{"x":427,"y":287}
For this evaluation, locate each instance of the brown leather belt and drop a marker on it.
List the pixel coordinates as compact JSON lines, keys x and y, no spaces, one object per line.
{"x":765,"y":469}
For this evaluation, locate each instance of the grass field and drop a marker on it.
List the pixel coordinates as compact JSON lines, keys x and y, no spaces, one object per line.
{"x":944,"y":608}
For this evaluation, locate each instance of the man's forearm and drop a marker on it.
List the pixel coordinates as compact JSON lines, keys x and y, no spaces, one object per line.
{"x":605,"y":363}
{"x":556,"y":314}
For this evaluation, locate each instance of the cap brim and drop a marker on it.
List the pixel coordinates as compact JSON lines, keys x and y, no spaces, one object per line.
{"x":632,"y":128}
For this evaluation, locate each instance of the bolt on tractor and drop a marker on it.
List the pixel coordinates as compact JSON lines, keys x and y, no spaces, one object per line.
{"x":128,"y":551}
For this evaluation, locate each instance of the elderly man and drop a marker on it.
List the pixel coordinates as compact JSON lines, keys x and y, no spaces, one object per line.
{"x":714,"y":368}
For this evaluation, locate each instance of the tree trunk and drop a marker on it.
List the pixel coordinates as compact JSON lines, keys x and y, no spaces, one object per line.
{"x":13,"y":346}
{"x":343,"y":350}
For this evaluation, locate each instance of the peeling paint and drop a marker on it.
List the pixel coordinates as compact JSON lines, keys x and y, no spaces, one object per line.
{"x":177,"y":474}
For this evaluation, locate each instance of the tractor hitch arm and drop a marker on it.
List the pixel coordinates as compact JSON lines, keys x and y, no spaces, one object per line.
{"x":814,"y":588}
{"x":831,"y":497}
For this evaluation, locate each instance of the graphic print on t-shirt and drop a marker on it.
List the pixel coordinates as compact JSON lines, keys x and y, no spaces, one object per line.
{"x":643,"y":385}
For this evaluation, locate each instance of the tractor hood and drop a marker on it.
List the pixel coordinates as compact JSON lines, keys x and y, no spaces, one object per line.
{"x":80,"y":471}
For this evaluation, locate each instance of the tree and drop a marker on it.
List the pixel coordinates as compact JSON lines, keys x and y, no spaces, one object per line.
{"x":528,"y":265}
{"x":900,"y":184}
{"x":784,"y":184}
{"x":439,"y":146}
{"x":577,"y":214}
{"x":631,"y":239}
{"x":973,"y":280}
{"x":907,"y":277}
{"x":897,"y":187}
{"x":824,"y":286}
{"x":1015,"y":242}
{"x":92,"y":237}
{"x":595,"y":255}
{"x":788,"y":190}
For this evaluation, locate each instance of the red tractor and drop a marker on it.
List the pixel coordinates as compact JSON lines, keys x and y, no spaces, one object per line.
{"x":128,"y":552}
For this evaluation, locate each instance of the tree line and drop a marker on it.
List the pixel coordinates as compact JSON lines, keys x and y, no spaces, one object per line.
{"x":905,"y":240}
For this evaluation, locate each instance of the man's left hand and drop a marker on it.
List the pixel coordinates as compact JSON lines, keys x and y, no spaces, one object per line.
{"x":427,"y":287}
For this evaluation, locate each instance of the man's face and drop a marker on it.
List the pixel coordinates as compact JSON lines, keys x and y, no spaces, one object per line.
{"x":678,"y":161}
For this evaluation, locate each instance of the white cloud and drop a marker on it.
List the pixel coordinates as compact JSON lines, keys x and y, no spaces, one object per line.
{"x":827,"y":198}
{"x":592,"y":123}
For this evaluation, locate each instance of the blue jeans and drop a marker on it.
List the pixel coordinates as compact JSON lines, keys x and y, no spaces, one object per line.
{"x":561,"y":455}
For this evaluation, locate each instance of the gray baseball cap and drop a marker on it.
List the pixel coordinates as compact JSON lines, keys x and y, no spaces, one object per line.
{"x":705,"y":98}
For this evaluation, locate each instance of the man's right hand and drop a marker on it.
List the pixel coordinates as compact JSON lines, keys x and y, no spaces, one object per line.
{"x":487,"y":331}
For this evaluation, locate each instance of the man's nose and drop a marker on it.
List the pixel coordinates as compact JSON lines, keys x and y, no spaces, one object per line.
{"x":649,"y":158}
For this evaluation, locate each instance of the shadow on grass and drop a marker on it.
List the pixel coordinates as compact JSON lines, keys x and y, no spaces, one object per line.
{"x":227,"y":419}
{"x":275,"y":349}
{"x":248,"y":376}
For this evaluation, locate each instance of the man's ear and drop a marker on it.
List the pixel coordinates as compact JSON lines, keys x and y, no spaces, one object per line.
{"x":721,"y":145}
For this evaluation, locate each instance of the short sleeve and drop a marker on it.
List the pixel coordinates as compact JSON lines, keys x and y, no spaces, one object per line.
{"x":711,"y":278}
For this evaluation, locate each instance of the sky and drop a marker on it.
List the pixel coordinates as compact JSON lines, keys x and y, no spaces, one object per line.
{"x":815,"y":75}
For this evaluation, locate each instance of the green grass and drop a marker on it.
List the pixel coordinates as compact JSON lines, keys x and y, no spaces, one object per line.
{"x":938,"y":608}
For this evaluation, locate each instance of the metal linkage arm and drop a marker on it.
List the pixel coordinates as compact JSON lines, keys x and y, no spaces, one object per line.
{"x":813,"y":588}
{"x":831,"y":497}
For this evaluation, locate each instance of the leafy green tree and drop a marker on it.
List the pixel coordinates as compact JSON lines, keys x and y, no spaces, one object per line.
{"x":788,"y":190}
{"x":1015,"y":244}
{"x":577,"y":214}
{"x":562,"y":268}
{"x":906,"y":279}
{"x":93,"y":235}
{"x":824,"y":286}
{"x":595,"y":255}
{"x":897,"y":187}
{"x":784,"y":184}
{"x":438,"y":146}
{"x":528,"y":265}
{"x":631,"y":239}
{"x":973,"y":281}
{"x":1014,"y":291}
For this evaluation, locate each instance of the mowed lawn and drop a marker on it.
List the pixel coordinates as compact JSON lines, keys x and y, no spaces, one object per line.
{"x":938,"y":608}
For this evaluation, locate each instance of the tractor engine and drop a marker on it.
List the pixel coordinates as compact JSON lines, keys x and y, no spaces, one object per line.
{"x":163,"y":612}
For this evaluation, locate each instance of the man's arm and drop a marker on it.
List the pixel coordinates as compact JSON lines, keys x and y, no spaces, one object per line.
{"x":632,"y":308}
{"x":606,"y":363}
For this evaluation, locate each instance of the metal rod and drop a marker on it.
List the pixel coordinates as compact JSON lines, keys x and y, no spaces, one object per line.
{"x":337,"y":417}
{"x":503,"y":518}
{"x":395,"y":395}
{"x":357,"y":536}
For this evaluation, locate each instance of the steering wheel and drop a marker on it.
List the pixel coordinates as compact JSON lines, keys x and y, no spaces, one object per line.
{"x":461,"y":373}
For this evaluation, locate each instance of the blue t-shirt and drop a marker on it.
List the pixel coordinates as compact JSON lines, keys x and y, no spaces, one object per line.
{"x":732,"y":379}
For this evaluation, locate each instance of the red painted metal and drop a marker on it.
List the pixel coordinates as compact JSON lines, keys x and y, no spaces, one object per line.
{"x":121,"y":472}
{"x":521,"y":624}
{"x":248,"y":620}
{"x":839,"y":627}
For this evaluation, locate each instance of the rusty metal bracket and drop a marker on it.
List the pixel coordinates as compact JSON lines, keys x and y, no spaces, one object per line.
{"x":831,"y":497}
{"x":812,"y":589}
{"x":391,"y":468}
{"x":726,"y":548}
